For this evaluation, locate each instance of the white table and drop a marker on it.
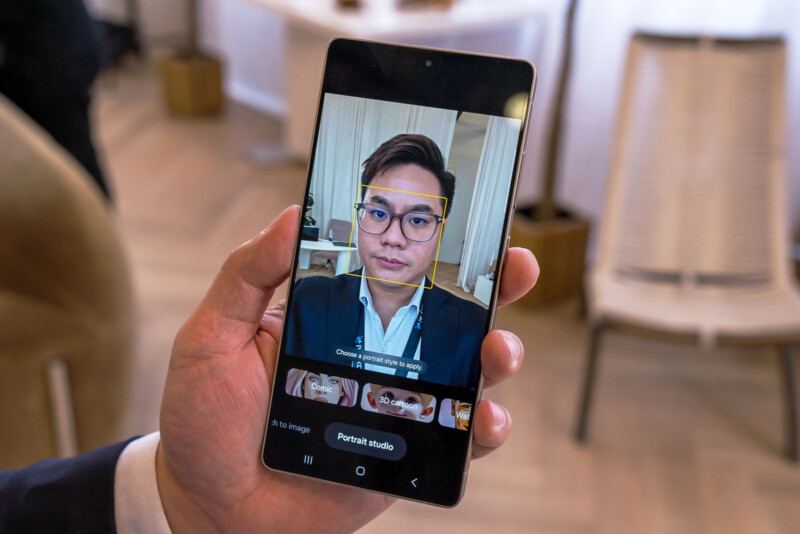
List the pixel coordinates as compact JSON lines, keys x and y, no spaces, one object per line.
{"x":483,"y":289}
{"x":307,"y":247}
{"x":485,"y":26}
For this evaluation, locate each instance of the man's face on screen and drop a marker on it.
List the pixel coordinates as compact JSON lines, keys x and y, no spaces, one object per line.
{"x":391,"y":256}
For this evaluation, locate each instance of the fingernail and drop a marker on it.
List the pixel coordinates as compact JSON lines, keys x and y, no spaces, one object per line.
{"x":499,"y":415}
{"x":514,"y":347}
{"x":293,"y":207}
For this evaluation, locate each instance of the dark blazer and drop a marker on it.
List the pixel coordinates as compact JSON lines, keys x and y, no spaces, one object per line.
{"x":324,"y":315}
{"x":73,"y":495}
{"x":50,"y":53}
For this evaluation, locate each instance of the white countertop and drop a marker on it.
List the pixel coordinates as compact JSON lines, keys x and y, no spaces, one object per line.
{"x":380,"y":20}
{"x":323,"y":244}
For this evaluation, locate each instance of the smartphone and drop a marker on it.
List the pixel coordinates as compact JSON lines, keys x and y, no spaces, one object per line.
{"x":410,"y":193}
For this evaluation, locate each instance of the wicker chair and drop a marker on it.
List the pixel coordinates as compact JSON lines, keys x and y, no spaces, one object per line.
{"x":694,"y":241}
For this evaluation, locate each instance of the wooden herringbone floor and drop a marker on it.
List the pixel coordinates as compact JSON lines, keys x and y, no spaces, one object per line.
{"x":683,"y":441}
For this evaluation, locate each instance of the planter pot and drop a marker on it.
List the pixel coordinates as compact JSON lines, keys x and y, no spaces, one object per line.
{"x":560,"y":247}
{"x":191,"y":84}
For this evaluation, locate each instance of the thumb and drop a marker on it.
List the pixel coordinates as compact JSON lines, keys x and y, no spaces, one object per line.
{"x":232,"y":309}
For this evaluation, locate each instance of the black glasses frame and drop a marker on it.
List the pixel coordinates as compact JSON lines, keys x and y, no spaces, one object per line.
{"x":401,"y":217}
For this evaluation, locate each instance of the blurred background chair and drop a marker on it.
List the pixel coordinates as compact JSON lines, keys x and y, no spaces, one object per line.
{"x":66,"y":313}
{"x":694,"y":242}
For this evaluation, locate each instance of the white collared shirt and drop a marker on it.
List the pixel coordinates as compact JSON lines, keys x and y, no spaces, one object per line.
{"x":137,"y":503}
{"x":393,"y":341}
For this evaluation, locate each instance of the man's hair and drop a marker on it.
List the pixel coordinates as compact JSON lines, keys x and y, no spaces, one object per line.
{"x":418,"y":150}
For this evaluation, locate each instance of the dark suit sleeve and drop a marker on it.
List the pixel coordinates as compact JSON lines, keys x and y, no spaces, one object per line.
{"x":472,"y":322}
{"x":73,"y":495}
{"x":308,"y":306}
{"x":322,"y":314}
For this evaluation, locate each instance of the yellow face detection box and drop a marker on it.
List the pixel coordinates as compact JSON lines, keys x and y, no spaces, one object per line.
{"x":353,"y":227}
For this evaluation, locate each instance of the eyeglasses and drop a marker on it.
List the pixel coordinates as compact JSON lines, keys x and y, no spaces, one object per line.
{"x":415,"y":225}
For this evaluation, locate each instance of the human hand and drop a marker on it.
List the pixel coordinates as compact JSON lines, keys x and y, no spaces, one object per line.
{"x":215,"y":404}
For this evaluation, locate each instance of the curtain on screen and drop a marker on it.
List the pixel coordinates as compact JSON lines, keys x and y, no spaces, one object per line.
{"x":485,"y":224}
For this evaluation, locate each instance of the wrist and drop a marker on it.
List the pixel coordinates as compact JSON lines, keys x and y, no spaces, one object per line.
{"x":183,"y":514}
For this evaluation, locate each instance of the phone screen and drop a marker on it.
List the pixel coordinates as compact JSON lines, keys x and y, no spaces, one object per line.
{"x":404,"y":228}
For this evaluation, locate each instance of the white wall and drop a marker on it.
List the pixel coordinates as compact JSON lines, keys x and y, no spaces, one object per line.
{"x":251,"y":41}
{"x":111,"y":10}
{"x":465,"y":155}
{"x":163,"y":20}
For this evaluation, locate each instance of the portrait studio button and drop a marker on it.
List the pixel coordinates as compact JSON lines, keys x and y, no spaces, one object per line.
{"x":368,"y":441}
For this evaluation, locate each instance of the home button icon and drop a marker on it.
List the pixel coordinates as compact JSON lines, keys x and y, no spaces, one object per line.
{"x":360,"y":471}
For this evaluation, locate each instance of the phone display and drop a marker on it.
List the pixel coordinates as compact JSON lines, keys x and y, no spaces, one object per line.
{"x":406,"y":216}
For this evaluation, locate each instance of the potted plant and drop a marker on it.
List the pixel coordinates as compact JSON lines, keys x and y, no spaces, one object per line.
{"x":555,"y":235}
{"x":308,"y":220}
{"x":191,"y":80}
